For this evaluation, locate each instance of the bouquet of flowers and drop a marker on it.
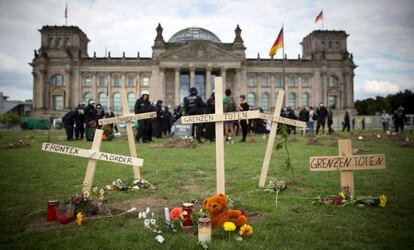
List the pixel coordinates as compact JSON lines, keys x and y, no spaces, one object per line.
{"x":344,"y":198}
{"x":150,"y":220}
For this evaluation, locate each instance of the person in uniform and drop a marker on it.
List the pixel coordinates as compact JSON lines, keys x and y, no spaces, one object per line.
{"x":91,"y":119}
{"x":143,"y":105}
{"x":193,"y":105}
{"x":68,"y":121}
{"x":210,"y":126}
{"x":80,"y":121}
{"x":244,"y":123}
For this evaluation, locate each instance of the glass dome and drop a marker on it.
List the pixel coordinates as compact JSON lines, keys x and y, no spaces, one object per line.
{"x":194,"y":33}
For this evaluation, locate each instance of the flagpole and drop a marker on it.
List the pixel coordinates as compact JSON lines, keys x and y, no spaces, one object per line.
{"x":323,"y":20}
{"x":283,"y":58}
{"x":66,"y":15}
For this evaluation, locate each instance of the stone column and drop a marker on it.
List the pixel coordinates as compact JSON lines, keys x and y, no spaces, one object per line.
{"x":324,"y":98}
{"x":35,"y":97}
{"x":192,"y":77}
{"x":300,"y":91}
{"x":110,"y":99}
{"x":94,"y":84}
{"x":272,"y":91}
{"x":162,"y":79}
{"x":43,"y":90}
{"x":177,"y":86}
{"x":67,"y":82}
{"x":223,"y":74}
{"x":237,"y":83}
{"x":208,"y":82}
{"x":259,"y":91}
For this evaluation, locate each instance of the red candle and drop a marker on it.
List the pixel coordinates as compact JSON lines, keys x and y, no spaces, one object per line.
{"x":51,"y":210}
{"x":187,"y":214}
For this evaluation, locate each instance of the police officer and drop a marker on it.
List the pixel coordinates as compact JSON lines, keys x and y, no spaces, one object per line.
{"x":80,"y":121}
{"x":68,"y":121}
{"x":210,"y":127}
{"x":143,"y":105}
{"x":91,"y":119}
{"x":100,"y":112}
{"x":158,"y":128}
{"x":321,"y":114}
{"x":193,"y":105}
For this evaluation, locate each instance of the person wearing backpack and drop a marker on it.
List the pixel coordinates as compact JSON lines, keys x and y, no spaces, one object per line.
{"x":229,"y":105}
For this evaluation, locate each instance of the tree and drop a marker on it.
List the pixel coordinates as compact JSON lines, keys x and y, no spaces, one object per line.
{"x":371,"y":106}
{"x":10,"y":118}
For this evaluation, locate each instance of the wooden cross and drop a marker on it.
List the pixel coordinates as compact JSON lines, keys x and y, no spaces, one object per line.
{"x":219,"y":117}
{"x":345,"y":163}
{"x":93,"y":155}
{"x":275,"y":119}
{"x":127,"y":119}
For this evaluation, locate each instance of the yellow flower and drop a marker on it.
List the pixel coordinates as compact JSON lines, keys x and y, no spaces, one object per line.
{"x":383,"y":200}
{"x":79,"y":219}
{"x":246,"y":230}
{"x":229,"y":226}
{"x":342,"y":195}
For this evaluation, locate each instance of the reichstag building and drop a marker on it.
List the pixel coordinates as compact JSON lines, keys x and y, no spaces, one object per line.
{"x":65,"y":73}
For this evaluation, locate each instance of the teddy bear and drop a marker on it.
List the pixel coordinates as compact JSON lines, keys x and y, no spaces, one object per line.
{"x":216,"y":207}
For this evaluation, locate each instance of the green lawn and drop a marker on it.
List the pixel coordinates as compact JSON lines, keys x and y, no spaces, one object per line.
{"x":30,"y":177}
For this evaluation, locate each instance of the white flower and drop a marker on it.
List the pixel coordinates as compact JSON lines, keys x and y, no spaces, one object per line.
{"x":147,"y":210}
{"x":159,"y":238}
{"x":140,"y":215}
{"x":102,"y":191}
{"x":86,"y":194}
{"x":131,"y":210}
{"x":147,"y":223}
{"x":135,"y":187}
{"x":152,"y":215}
{"x":95,"y":189}
{"x":101,"y":197}
{"x":153,"y":221}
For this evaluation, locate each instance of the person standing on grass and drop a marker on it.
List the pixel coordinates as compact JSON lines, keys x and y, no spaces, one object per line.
{"x":80,"y":121}
{"x":312,"y":119}
{"x":304,"y":115}
{"x":385,"y":120}
{"x":399,"y":119}
{"x":143,"y":105}
{"x":193,"y":105}
{"x":244,"y":123}
{"x":330,"y":120}
{"x":347,"y":122}
{"x":229,"y":105}
{"x":210,"y":126}
{"x":68,"y":121}
{"x":91,"y":119}
{"x":321,"y":113}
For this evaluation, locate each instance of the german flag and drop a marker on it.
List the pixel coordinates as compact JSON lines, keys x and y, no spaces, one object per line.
{"x":277,"y":44}
{"x":319,"y":17}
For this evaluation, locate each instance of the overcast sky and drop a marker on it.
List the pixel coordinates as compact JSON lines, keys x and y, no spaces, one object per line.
{"x":381,"y":32}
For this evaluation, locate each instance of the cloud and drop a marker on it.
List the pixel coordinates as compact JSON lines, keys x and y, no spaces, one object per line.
{"x":381,"y":31}
{"x":7,"y":63}
{"x":375,"y":88}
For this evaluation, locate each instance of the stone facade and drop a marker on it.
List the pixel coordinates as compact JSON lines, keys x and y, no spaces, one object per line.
{"x":64,"y":74}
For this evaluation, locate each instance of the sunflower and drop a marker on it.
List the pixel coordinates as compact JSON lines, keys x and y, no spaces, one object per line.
{"x":383,"y":200}
{"x":79,"y":219}
{"x":246,"y":230}
{"x":229,"y":226}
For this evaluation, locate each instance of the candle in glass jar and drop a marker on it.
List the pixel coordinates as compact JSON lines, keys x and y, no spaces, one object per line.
{"x":51,"y":210}
{"x":187,"y":214}
{"x":204,"y":230}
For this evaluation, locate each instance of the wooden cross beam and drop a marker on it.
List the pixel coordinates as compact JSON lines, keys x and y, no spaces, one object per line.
{"x":127,"y":118}
{"x":219,"y":117}
{"x":93,"y":155}
{"x":275,"y":119}
{"x":345,"y":163}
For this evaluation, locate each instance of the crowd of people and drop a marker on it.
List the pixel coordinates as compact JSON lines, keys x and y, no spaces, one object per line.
{"x":83,"y":120}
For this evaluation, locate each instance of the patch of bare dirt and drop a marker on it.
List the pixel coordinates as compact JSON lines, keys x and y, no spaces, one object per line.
{"x":177,"y":143}
{"x":314,"y":141}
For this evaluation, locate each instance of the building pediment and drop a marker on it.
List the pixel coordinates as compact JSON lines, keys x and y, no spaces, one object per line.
{"x":199,"y":51}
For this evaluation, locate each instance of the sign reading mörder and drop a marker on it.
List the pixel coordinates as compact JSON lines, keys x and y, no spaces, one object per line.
{"x":127,"y":118}
{"x":354,"y":162}
{"x":283,"y":120}
{"x":230,"y":116}
{"x":67,"y":150}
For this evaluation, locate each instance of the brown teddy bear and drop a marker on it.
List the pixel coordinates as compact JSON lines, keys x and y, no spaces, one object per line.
{"x":216,"y":208}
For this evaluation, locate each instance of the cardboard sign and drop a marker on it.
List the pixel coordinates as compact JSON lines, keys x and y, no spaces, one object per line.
{"x":127,"y":118}
{"x":92,"y":154}
{"x":219,"y":117}
{"x":180,"y":130}
{"x":355,"y":162}
{"x":283,"y":120}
